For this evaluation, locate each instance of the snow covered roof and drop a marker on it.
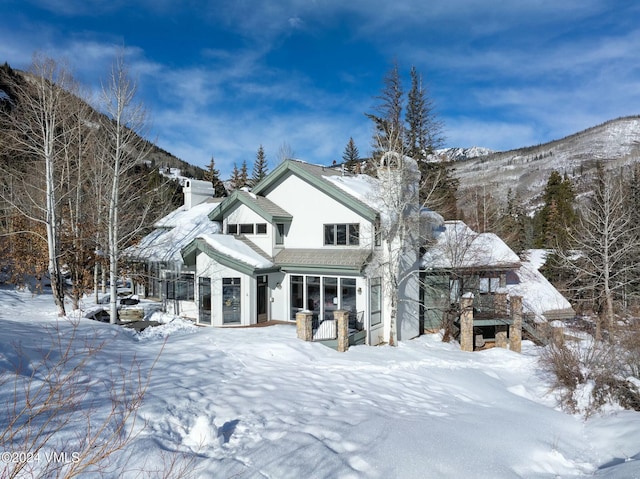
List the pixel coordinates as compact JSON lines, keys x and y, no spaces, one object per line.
{"x":458,"y":246}
{"x":174,"y":232}
{"x":264,"y":207}
{"x":230,"y":251}
{"x":539,"y":296}
{"x":361,"y":187}
{"x":322,"y":178}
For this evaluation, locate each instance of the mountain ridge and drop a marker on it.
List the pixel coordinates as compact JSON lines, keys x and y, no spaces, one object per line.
{"x":525,"y":170}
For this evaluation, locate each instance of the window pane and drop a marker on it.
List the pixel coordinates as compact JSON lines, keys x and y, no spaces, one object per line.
{"x":246,"y":229}
{"x":231,"y":300}
{"x":313,"y":295}
{"x":341,"y":234}
{"x":184,"y":287}
{"x":297,"y":295}
{"x":348,"y":299}
{"x":232,"y":229}
{"x":204,"y":293}
{"x":330,"y":297}
{"x":170,"y":279}
{"x":279,"y":233}
{"x":354,"y":234}
{"x":329,"y":234}
{"x":261,"y":228}
{"x":375,"y":302}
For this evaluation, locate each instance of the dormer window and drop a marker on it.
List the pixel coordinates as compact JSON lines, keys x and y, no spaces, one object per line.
{"x":342,"y":234}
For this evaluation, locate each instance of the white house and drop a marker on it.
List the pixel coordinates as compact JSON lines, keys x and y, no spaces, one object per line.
{"x":305,"y":238}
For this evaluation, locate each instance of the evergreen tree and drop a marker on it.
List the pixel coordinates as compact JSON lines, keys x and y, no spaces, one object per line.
{"x":517,"y":227}
{"x":260,"y":167}
{"x":236,"y":179}
{"x":213,"y":175}
{"x":423,"y":133}
{"x":244,"y":175}
{"x":351,"y":155}
{"x":389,"y":130}
{"x":557,"y":213}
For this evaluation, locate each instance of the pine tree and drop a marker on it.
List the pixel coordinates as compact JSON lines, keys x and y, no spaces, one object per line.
{"x":236,"y":180}
{"x":213,"y":175}
{"x":557,"y":214}
{"x":351,"y":155}
{"x":244,"y":175}
{"x":423,"y":131}
{"x":389,"y":130}
{"x":260,"y":167}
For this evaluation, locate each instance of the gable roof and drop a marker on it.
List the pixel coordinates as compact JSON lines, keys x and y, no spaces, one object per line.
{"x":459,"y":247}
{"x":316,"y":176}
{"x":173,"y":232}
{"x":228,"y":251}
{"x":262,"y":206}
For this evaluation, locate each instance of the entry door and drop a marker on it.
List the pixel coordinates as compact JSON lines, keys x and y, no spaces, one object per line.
{"x":263,"y":299}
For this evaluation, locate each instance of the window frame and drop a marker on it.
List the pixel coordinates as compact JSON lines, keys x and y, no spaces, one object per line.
{"x":341,"y":234}
{"x":180,"y":286}
{"x":375,"y":310}
{"x":246,"y":228}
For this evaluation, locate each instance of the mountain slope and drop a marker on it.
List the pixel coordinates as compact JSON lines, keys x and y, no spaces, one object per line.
{"x":526,"y":170}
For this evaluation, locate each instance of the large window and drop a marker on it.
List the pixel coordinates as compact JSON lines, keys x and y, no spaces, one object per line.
{"x":375,"y":301}
{"x":297,"y":295}
{"x":322,"y":295}
{"x":180,"y":286}
{"x":342,"y":234}
{"x":204,"y":306}
{"x":231,"y":305}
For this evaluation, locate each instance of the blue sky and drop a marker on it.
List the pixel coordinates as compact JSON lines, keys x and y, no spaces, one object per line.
{"x":223,"y":77}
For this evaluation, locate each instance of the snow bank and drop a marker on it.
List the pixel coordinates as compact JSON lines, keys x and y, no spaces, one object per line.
{"x":258,"y":402}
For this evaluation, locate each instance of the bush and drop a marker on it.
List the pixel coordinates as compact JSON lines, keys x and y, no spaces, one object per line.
{"x":589,"y":374}
{"x":53,"y":405}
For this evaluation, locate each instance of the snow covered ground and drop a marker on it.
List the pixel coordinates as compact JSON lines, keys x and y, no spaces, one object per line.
{"x":257,"y":402}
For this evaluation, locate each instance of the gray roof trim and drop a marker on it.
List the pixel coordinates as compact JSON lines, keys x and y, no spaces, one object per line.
{"x":323,"y":260}
{"x":190,"y":252}
{"x":259,"y":204}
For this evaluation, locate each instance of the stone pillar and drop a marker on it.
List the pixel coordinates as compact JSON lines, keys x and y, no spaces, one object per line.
{"x":558,"y":335}
{"x":501,"y":337}
{"x":515,"y":330}
{"x":342,"y":323}
{"x":466,"y":322}
{"x":500,"y":304}
{"x":304,"y":325}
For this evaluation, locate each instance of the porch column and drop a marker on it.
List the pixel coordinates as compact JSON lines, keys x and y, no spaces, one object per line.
{"x":304,"y":325}
{"x":501,"y":337}
{"x":342,"y":323}
{"x":500,"y":304}
{"x":466,"y":322}
{"x":515,"y":330}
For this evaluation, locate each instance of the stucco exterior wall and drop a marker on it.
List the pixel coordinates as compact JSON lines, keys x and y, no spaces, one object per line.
{"x":311,"y":210}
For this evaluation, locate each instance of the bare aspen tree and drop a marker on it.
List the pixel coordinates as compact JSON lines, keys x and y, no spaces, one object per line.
{"x":36,"y":125}
{"x":125,"y":149}
{"x":601,"y":242}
